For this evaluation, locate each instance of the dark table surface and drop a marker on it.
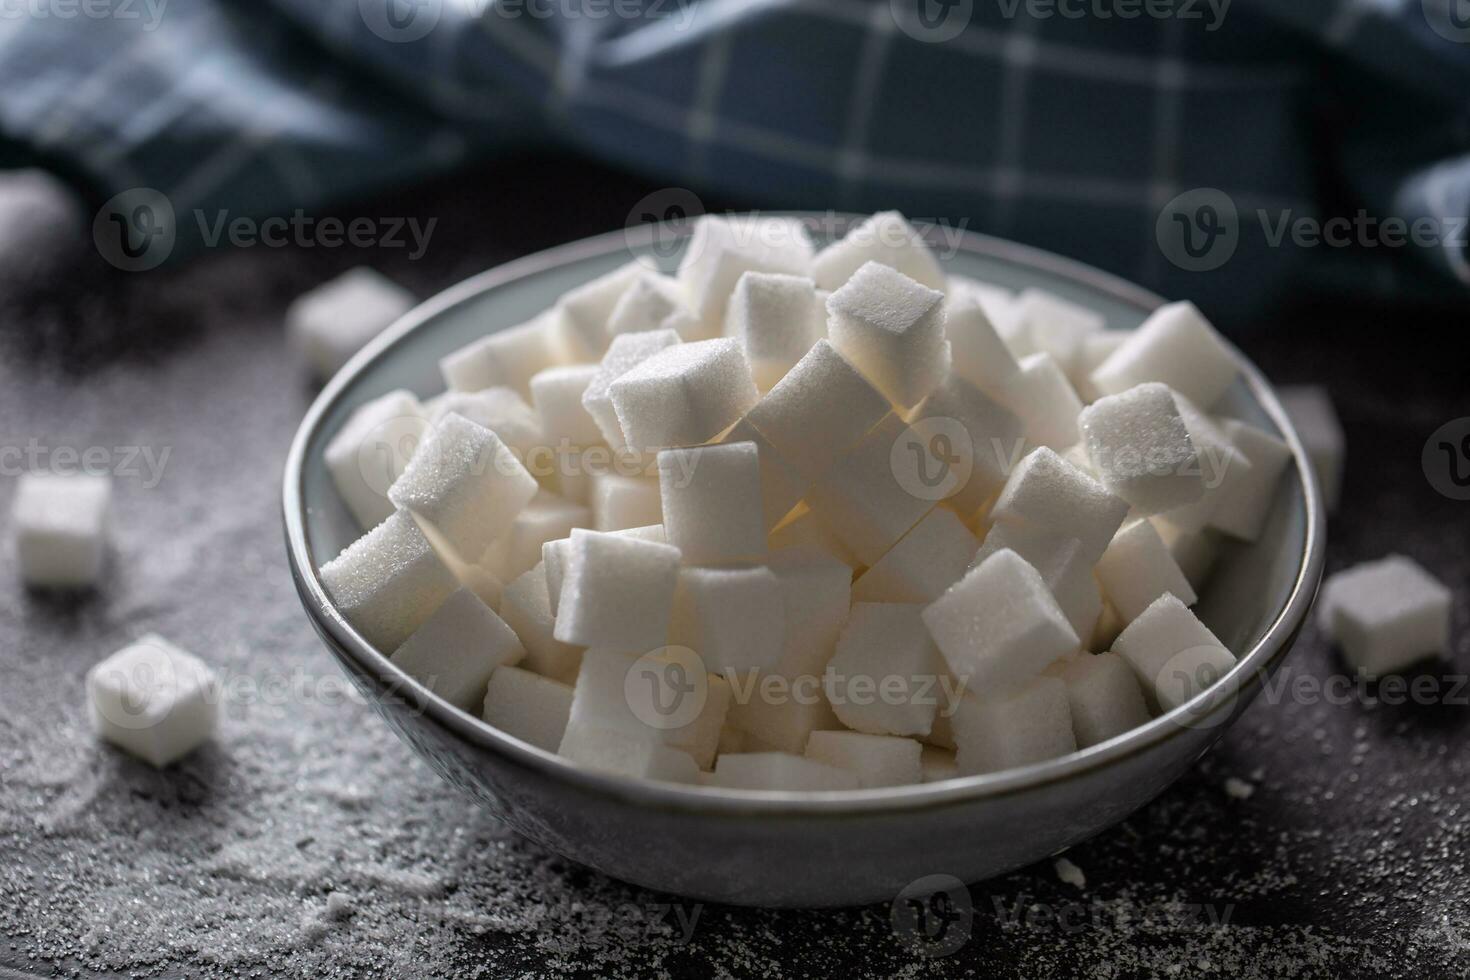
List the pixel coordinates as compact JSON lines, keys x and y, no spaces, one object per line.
{"x":1346,"y":857}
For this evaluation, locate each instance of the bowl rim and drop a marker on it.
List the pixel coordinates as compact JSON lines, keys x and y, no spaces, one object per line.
{"x":1249,"y":670}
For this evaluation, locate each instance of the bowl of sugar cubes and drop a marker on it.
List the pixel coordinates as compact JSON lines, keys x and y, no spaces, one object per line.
{"x":785,"y":560}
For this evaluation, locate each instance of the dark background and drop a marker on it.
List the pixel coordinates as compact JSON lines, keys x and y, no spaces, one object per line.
{"x":1348,"y":858}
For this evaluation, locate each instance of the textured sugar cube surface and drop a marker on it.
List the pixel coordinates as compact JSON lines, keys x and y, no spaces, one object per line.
{"x":1173,"y":654}
{"x":977,"y":352}
{"x":371,"y":450}
{"x":508,"y":358}
{"x":60,"y":524}
{"x":932,"y":556}
{"x":1138,"y":568}
{"x":625,"y":352}
{"x":684,"y":395}
{"x":780,"y":716}
{"x":1317,"y":426}
{"x":1386,"y":615}
{"x":1194,"y":551}
{"x":780,"y":771}
{"x":1247,"y":492}
{"x":1221,"y":463}
{"x":818,"y":411}
{"x":1056,"y":326}
{"x":801,"y":529}
{"x":1046,"y":491}
{"x":1063,"y":565}
{"x":500,"y":409}
{"x":713,"y":510}
{"x":885,"y":676}
{"x":891,"y":329}
{"x":646,"y":305}
{"x":546,"y":518}
{"x":1045,"y":401}
{"x":977,"y":437}
{"x":617,"y":593}
{"x":886,"y":238}
{"x":626,"y":755}
{"x":527,"y":706}
{"x":1017,"y":726}
{"x":464,"y":484}
{"x":1140,"y":448}
{"x":733,"y":618}
{"x":1000,"y":624}
{"x":1177,"y":346}
{"x":557,"y":393}
{"x":389,"y":581}
{"x":878,"y":760}
{"x":782,"y":485}
{"x":554,"y":555}
{"x":153,"y":700}
{"x":816,"y":594}
{"x":777,"y":318}
{"x":454,"y":652}
{"x":722,"y":249}
{"x":525,"y":605}
{"x":622,"y":502}
{"x":584,"y":312}
{"x":1103,"y":696}
{"x":329,"y":324}
{"x":661,"y":697}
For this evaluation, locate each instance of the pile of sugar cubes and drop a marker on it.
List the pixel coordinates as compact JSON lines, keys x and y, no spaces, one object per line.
{"x":685,"y":527}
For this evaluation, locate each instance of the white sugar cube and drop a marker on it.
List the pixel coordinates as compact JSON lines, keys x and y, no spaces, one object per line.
{"x":1310,"y":409}
{"x":1140,"y":448}
{"x":482,"y":580}
{"x":1247,"y":492}
{"x":722,"y":249}
{"x":464,"y":484}
{"x":1194,"y":551}
{"x":528,"y":706}
{"x":546,"y":518}
{"x":932,"y":556}
{"x":554,"y":554}
{"x":816,"y":593}
{"x":389,"y":581}
{"x":780,"y":771}
{"x":454,"y":652}
{"x":1047,"y":492}
{"x":506,"y":358}
{"x":625,"y":352}
{"x":622,"y":502}
{"x":712,"y":509}
{"x":557,"y":393}
{"x":153,"y":700}
{"x":819,"y":410}
{"x":329,"y":324}
{"x":584,"y":312}
{"x":1096,"y":348}
{"x":1063,"y":565}
{"x":878,"y":760}
{"x":891,"y":329}
{"x":782,"y":485}
{"x":1057,"y":326}
{"x":801,"y":529}
{"x":1175,"y":345}
{"x":61,"y":528}
{"x":776,"y":318}
{"x":501,"y":410}
{"x":1045,"y":401}
{"x":780,"y":713}
{"x":868,"y":497}
{"x":734,"y":618}
{"x":659,"y":697}
{"x":887,"y":238}
{"x":977,"y":352}
{"x":617,"y":593}
{"x":526,"y":608}
{"x":999,"y":624}
{"x":1138,"y":568}
{"x":1385,"y":615}
{"x":937,"y":764}
{"x":371,"y":450}
{"x":1103,"y":696}
{"x":884,"y":678}
{"x":626,"y":755}
{"x":1013,"y":726}
{"x":650,"y":300}
{"x":1220,"y":464}
{"x":683,"y":395}
{"x":1173,"y":654}
{"x":973,"y":431}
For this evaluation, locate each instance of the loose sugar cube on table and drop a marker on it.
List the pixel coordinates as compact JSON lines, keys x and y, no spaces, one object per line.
{"x":782,"y":486}
{"x":153,"y":700}
{"x":885,"y":676}
{"x":506,"y":358}
{"x":389,"y":581}
{"x":1173,"y":654}
{"x":712,"y":506}
{"x":891,"y":329}
{"x":1047,"y":492}
{"x":979,"y":432}
{"x":886,"y":238}
{"x":1014,"y":726}
{"x":777,"y":318}
{"x":1177,"y":346}
{"x":648,"y":302}
{"x":1310,"y":409}
{"x":780,"y":771}
{"x":1138,"y":568}
{"x":977,"y":352}
{"x":584,"y":312}
{"x":501,"y":410}
{"x":454,"y":652}
{"x":1063,"y":564}
{"x":61,"y":528}
{"x":932,"y":556}
{"x":1000,"y":624}
{"x":626,"y":352}
{"x":878,"y":760}
{"x":1385,"y":615}
{"x":622,"y":502}
{"x":557,"y":393}
{"x":465,"y":484}
{"x":816,"y":594}
{"x":528,"y":706}
{"x":734,"y":618}
{"x":722,"y":249}
{"x":684,"y":395}
{"x":526,"y":608}
{"x":818,"y":411}
{"x":867,"y":498}
{"x":371,"y":450}
{"x":1246,"y":492}
{"x":626,"y":755}
{"x":1104,"y":697}
{"x":1045,"y":401}
{"x":1141,"y":450}
{"x":617,"y":593}
{"x":336,"y":319}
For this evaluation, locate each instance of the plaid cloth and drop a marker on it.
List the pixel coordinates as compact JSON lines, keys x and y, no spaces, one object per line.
{"x":1148,"y":137}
